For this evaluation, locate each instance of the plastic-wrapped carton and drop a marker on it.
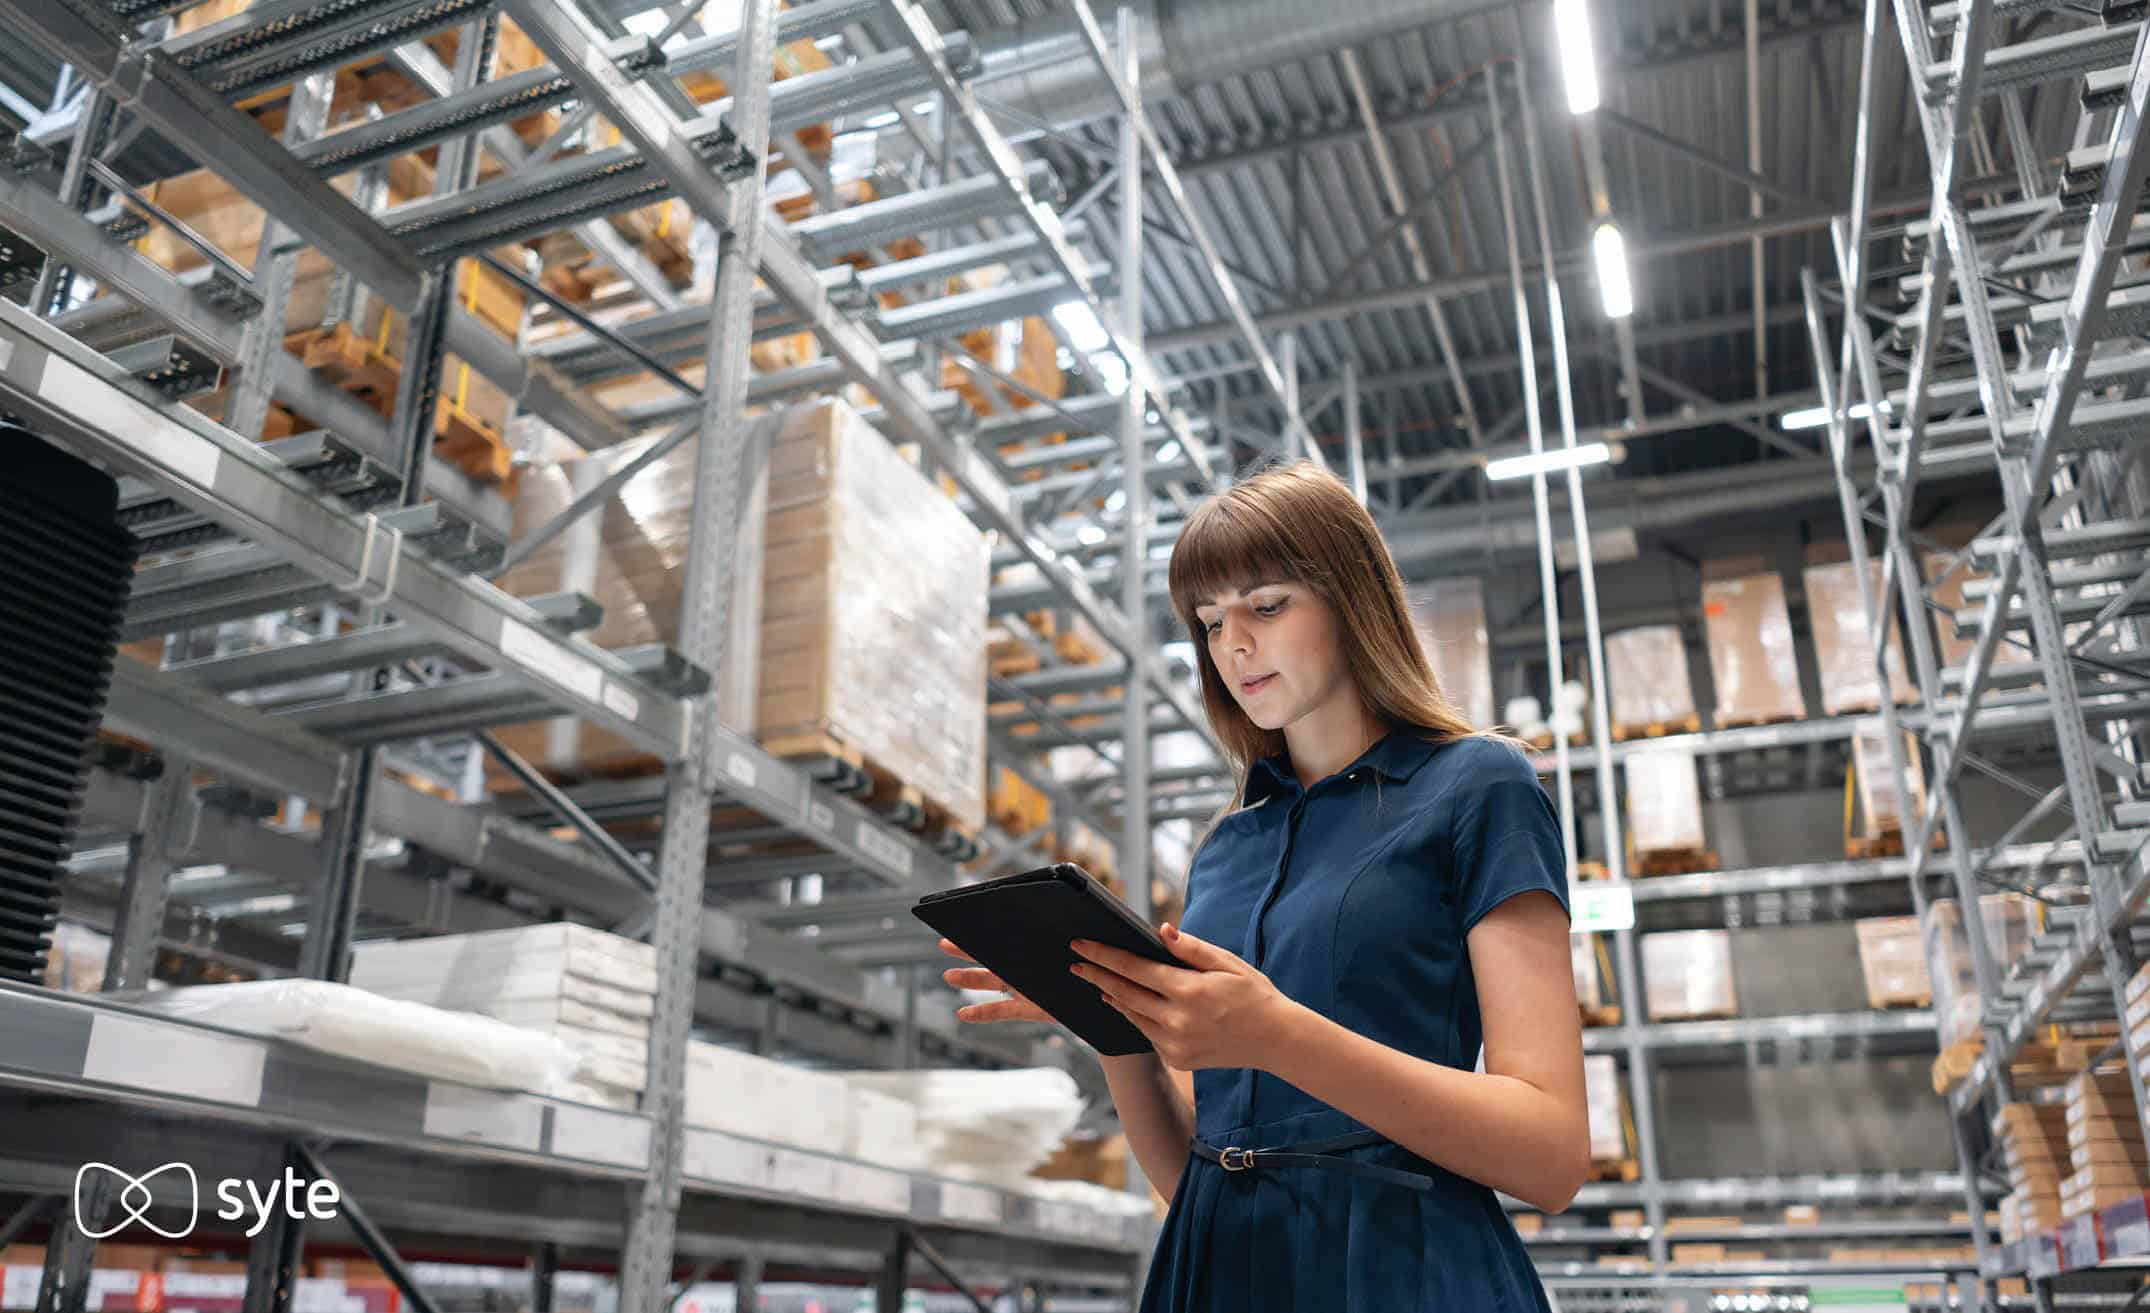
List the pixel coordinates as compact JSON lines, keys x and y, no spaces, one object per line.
{"x":1687,"y":974}
{"x":1647,"y":668}
{"x":1752,"y":659}
{"x":1873,"y":775}
{"x":1602,"y":1093}
{"x":1843,"y":646}
{"x":1450,"y":615}
{"x":2009,"y":925}
{"x":1892,"y":957}
{"x":1583,"y":961}
{"x":1664,"y":801}
{"x":859,"y":601}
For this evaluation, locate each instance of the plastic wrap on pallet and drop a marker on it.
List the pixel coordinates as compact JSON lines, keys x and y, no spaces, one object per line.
{"x":1688,"y":974}
{"x":2009,"y":925}
{"x":1602,"y":1093}
{"x":1874,"y":775}
{"x":1664,"y":800}
{"x":1647,"y":669}
{"x":1583,"y":961}
{"x":1450,"y":615}
{"x":1843,"y":645}
{"x":1752,"y":659}
{"x":1892,"y":958}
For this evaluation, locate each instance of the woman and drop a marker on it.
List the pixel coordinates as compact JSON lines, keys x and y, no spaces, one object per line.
{"x":1386,"y":892}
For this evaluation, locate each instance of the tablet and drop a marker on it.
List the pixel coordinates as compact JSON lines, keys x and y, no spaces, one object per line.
{"x":1018,"y":927}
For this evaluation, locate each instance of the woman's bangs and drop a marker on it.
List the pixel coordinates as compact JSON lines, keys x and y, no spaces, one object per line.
{"x":1225,"y":549}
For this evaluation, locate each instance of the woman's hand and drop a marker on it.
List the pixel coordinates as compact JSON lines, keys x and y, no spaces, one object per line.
{"x":1222,"y":1013}
{"x":1012,"y":1008}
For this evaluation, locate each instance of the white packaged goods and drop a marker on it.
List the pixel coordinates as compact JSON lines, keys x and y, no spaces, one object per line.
{"x":1687,"y":974}
{"x":1647,"y":671}
{"x":345,"y":1020}
{"x":1955,"y":988}
{"x":882,"y":1128}
{"x":1664,"y":801}
{"x":1893,"y":960}
{"x":989,"y":1126}
{"x":1583,"y":960}
{"x":76,"y":961}
{"x":1601,"y":1091}
{"x":1844,"y":642}
{"x":728,"y":1090}
{"x":1450,"y":616}
{"x":1753,"y":662}
{"x":604,"y":1096}
{"x":1875,"y":774}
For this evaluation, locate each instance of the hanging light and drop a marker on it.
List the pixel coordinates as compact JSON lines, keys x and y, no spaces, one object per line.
{"x":1578,"y":63}
{"x":1559,"y":458}
{"x":1610,"y":252}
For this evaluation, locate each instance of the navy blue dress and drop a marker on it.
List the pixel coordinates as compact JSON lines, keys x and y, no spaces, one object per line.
{"x":1354,"y":897}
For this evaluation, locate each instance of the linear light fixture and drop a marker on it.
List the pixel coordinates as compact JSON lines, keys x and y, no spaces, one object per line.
{"x":1560,"y":458}
{"x":1814,"y":417}
{"x":1578,"y":62}
{"x":1610,"y":252}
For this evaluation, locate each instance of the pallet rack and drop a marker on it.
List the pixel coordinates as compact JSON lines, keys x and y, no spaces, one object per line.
{"x":287,"y":542}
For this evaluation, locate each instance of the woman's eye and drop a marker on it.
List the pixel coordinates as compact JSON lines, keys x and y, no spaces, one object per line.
{"x":1211,"y":627}
{"x":1271,"y":609}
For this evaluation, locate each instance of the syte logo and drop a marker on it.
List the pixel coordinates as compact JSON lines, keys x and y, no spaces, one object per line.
{"x":238,"y":1199}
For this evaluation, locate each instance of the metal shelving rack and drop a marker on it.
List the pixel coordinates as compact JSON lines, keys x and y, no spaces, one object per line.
{"x":414,"y":573}
{"x":2030,"y":281}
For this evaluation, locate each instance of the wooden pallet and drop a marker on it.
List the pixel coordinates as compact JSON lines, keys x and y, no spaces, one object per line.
{"x":465,"y":440}
{"x":849,"y":770}
{"x":1603,"y":1015}
{"x":1614,"y":1169}
{"x":1888,"y":843}
{"x":1747,"y":722}
{"x":1674,"y":861}
{"x":1544,"y":742}
{"x":1588,"y":870}
{"x":1889,"y":1002}
{"x":1657,"y":729}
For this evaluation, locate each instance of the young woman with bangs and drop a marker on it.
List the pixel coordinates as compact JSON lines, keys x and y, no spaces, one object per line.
{"x":1385,"y":895}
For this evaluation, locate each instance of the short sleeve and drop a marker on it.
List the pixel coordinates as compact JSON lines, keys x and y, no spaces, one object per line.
{"x":1506,"y":835}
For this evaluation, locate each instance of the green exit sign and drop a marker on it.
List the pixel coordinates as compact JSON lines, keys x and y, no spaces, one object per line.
{"x":1600,"y":905}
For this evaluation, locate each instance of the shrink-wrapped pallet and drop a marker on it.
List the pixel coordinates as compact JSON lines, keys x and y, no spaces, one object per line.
{"x":1450,"y":615}
{"x":1844,"y":645}
{"x":1874,"y":776}
{"x":2009,"y":926}
{"x":1687,"y":974}
{"x":1753,"y":662}
{"x":1664,"y":801}
{"x":1892,"y":958}
{"x":859,"y":599}
{"x":1604,"y":1098}
{"x":1647,"y":669}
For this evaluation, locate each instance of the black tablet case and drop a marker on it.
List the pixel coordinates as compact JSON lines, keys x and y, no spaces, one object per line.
{"x":1018,"y":927}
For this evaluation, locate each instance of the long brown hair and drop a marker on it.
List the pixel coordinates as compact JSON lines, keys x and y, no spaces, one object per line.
{"x":1299,"y":523}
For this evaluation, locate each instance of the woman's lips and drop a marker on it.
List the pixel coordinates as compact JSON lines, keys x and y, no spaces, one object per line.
{"x":1257,"y":685}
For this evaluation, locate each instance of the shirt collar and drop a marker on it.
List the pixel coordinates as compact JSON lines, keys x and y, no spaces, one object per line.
{"x":1396,"y":755}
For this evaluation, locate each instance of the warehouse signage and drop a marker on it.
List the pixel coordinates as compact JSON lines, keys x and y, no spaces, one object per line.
{"x":1600,"y":906}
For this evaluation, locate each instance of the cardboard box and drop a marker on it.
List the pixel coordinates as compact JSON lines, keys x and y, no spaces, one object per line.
{"x":1753,"y":661}
{"x":1874,"y":774}
{"x":1627,"y":1219}
{"x":1664,"y":801}
{"x":1607,"y":1105}
{"x":1802,"y":1215}
{"x":1527,"y":1223}
{"x":1892,"y":958}
{"x":1687,"y":974}
{"x":1450,"y":616}
{"x":1646,"y":671}
{"x":2008,"y":923}
{"x":1690,"y":1225}
{"x":1843,"y":647}
{"x":1583,"y":962}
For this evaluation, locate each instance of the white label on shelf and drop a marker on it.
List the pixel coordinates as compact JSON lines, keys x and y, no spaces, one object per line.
{"x":719,"y":1158}
{"x":101,"y":405}
{"x":174,"y":1059}
{"x":969,"y":1203}
{"x":741,"y":768}
{"x":1601,"y":906}
{"x":621,"y":702}
{"x":885,"y":847}
{"x":605,"y":1137}
{"x":19,"y":1281}
{"x":821,"y":816}
{"x":527,"y":647}
{"x":459,"y":1112}
{"x":805,"y":1174}
{"x":1805,"y":1027}
{"x":1838,"y":1187}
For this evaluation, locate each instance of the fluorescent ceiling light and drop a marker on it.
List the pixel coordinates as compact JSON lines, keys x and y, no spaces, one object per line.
{"x":1090,"y":534}
{"x":1610,"y":253}
{"x":1168,"y":453}
{"x":1814,"y":417}
{"x":885,"y":119}
{"x":1084,"y":331}
{"x":1519,"y":467}
{"x":1578,"y":62}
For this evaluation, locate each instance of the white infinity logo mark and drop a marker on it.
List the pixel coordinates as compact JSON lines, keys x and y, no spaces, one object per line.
{"x":135,"y":1199}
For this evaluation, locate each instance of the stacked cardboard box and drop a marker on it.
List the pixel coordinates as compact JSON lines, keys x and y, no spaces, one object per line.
{"x":2105,"y":1143}
{"x":1651,"y":691}
{"x":1843,"y":645}
{"x":1752,"y":659}
{"x":859,"y":601}
{"x":1875,"y":773}
{"x":1450,"y":616}
{"x":2034,"y":1143}
{"x":1607,"y":1107}
{"x":1664,"y":801}
{"x":2007,"y":919}
{"x":1892,"y":957}
{"x":1687,"y":975}
{"x":593,"y":990}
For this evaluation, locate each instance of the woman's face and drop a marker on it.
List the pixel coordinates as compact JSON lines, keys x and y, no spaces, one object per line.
{"x":1278,"y":649}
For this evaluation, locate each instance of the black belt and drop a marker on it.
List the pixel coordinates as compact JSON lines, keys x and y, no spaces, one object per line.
{"x":1315,"y":1153}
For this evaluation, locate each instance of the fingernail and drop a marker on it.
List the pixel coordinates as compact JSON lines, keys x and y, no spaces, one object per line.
{"x":1075,"y":970}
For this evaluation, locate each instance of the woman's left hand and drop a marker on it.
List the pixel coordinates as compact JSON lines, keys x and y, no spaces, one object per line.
{"x":1219,"y":1013}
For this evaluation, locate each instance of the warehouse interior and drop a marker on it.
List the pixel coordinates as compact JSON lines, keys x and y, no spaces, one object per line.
{"x":539,"y":529}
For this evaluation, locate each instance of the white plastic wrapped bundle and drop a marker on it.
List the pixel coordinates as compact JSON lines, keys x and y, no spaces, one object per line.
{"x":1583,"y":961}
{"x":1688,"y":974}
{"x":989,"y":1126}
{"x":1844,"y":648}
{"x":1450,"y":616}
{"x":389,"y":1032}
{"x":1664,"y":801}
{"x":1647,"y":671}
{"x":1752,"y":659}
{"x":1948,"y":955}
{"x":1602,"y":1094}
{"x":1090,"y":1195}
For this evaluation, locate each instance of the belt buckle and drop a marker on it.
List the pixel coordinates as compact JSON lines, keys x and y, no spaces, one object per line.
{"x":1242,"y":1162}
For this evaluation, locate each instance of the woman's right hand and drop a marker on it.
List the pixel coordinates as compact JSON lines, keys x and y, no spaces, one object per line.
{"x":1012,"y":1008}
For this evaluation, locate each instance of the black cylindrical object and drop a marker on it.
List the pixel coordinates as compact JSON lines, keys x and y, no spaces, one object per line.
{"x":65,"y":570}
